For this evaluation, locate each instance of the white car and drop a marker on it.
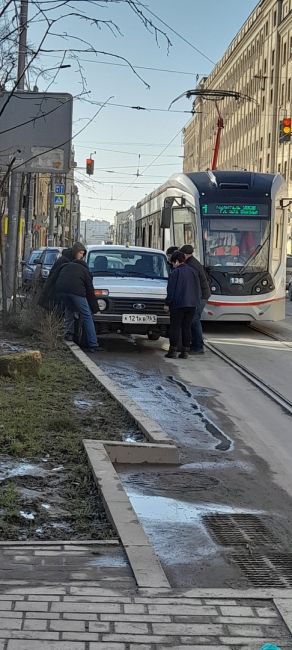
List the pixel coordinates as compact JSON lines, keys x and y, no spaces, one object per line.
{"x":130,"y":284}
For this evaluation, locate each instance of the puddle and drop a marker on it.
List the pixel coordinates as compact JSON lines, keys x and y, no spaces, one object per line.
{"x":9,"y":348}
{"x":12,"y":468}
{"x":27,"y":515}
{"x":83,"y":404}
{"x":133,"y":436}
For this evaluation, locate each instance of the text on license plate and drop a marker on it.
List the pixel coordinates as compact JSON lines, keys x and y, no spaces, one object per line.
{"x":141,"y":319}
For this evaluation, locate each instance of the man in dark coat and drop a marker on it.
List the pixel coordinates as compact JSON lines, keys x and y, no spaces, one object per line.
{"x":197,"y":346}
{"x":47,"y":299}
{"x":75,"y":290}
{"x":183,"y":299}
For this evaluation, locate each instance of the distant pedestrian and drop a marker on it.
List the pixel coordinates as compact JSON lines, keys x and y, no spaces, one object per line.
{"x":197,"y":346}
{"x":169,"y":253}
{"x":75,"y":290}
{"x":183,"y":299}
{"x":47,"y":298}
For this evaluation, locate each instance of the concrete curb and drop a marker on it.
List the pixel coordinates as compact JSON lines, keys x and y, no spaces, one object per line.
{"x":152,"y":430}
{"x":145,"y":565}
{"x":126,"y":453}
{"x":57,"y":542}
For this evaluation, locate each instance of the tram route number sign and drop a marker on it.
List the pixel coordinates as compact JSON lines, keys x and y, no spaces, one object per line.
{"x":234,"y":210}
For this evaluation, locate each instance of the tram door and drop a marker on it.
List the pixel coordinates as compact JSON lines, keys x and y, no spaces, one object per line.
{"x":184,"y":228}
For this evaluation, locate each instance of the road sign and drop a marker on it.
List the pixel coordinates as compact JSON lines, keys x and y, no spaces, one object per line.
{"x":60,"y":200}
{"x":60,"y":189}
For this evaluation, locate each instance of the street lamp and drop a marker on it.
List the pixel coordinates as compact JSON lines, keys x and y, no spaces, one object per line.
{"x":57,"y":67}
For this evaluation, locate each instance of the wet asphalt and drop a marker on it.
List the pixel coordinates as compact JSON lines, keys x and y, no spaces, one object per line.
{"x":223,"y":518}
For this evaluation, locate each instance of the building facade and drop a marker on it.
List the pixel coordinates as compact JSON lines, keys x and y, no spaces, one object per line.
{"x":257,"y":64}
{"x":124,"y":227}
{"x":95,"y":231}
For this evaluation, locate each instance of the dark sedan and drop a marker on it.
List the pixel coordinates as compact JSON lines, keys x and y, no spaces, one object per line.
{"x":28,"y":268}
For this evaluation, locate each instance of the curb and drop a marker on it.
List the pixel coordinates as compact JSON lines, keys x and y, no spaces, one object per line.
{"x":136,"y":453}
{"x":152,"y":430}
{"x":145,"y":564}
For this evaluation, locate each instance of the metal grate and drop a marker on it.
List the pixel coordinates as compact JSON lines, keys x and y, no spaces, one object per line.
{"x":239,"y":530}
{"x":265,"y":570}
{"x":126,"y":306}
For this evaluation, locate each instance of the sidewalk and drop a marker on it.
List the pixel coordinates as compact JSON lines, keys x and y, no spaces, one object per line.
{"x":103,"y":610}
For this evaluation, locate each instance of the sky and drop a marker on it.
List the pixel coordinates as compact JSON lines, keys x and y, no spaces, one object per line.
{"x":127,"y":140}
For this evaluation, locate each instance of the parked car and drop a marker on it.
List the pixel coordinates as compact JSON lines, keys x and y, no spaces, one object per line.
{"x":130,"y":284}
{"x":290,"y":290}
{"x":288,"y":270}
{"x":28,"y":268}
{"x":44,"y":263}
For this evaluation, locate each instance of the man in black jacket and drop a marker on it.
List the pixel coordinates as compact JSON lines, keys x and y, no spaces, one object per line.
{"x":197,"y":346}
{"x":183,"y":299}
{"x":47,"y":299}
{"x":74,"y":288}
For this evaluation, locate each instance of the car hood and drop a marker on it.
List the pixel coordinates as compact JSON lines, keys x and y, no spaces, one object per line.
{"x":128,"y":287}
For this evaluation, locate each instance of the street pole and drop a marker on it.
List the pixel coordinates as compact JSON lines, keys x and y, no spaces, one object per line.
{"x":15,"y":184}
{"x":28,"y":217}
{"x":51,"y":232}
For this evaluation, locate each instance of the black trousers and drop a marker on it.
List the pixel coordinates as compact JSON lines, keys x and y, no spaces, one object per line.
{"x":181,"y":326}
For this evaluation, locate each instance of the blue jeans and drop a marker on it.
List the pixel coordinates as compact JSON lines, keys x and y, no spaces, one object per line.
{"x":80,"y":305}
{"x":197,"y":332}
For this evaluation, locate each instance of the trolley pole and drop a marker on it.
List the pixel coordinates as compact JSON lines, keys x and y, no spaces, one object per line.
{"x":15,"y":184}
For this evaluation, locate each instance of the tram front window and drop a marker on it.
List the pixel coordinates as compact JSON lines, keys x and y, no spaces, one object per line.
{"x":243,"y":245}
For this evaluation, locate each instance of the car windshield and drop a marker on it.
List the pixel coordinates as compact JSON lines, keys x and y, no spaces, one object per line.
{"x":244,"y":245}
{"x":34,"y":256}
{"x":50,"y":257}
{"x":127,"y":263}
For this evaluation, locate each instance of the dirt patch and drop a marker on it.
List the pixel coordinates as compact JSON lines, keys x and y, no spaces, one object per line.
{"x":46,"y":488}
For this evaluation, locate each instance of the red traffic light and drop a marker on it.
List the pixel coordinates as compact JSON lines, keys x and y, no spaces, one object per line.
{"x":89,"y":166}
{"x":287,"y":121}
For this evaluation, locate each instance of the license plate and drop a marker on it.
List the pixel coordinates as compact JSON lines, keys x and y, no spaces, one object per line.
{"x":140,"y":319}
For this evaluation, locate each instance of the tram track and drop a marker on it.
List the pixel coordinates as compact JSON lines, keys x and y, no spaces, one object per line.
{"x":262,"y":385}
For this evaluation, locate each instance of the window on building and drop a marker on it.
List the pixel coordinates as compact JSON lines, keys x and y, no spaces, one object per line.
{"x":284,"y":53}
{"x":261,"y":146}
{"x":265,"y":66}
{"x":282,"y":94}
{"x":268,"y":162}
{"x":289,"y":91}
{"x":271,"y":95}
{"x":260,"y":165}
{"x":273,"y":57}
{"x":285,"y":169}
{"x":266,"y":28}
{"x":263,"y":102}
{"x":269,"y":140}
{"x":275,"y":18}
{"x":279,"y":168}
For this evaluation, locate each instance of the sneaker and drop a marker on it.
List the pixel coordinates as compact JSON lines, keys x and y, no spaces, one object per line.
{"x":69,"y":337}
{"x":171,"y":354}
{"x":183,"y":355}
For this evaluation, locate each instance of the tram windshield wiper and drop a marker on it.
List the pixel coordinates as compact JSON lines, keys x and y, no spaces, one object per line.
{"x":254,"y":255}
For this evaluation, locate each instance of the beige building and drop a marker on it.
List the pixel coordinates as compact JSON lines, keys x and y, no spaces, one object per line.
{"x":258,"y":64}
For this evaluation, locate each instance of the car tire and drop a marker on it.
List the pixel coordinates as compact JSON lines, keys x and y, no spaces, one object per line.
{"x":153,"y":336}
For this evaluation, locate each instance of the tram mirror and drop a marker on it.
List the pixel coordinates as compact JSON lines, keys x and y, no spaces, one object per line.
{"x":166,"y":216}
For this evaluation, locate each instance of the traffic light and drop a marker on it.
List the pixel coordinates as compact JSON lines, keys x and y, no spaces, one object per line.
{"x":89,"y":166}
{"x":285,"y":129}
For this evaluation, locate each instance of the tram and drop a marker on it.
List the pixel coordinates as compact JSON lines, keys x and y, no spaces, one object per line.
{"x":237,"y":225}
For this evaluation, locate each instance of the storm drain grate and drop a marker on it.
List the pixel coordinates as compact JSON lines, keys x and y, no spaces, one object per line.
{"x":270,"y":570}
{"x":239,"y":529}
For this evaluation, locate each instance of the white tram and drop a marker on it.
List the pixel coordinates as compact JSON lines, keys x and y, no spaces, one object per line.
{"x":237,"y":224}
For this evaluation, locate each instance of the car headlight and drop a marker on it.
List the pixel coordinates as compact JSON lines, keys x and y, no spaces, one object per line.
{"x":102,"y":304}
{"x":101,"y":292}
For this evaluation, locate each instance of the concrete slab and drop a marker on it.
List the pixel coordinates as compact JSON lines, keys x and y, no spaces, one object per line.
{"x":145,"y":564}
{"x":126,"y":453}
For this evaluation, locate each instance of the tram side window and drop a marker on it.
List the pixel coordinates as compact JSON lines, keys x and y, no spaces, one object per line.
{"x":184,"y":228}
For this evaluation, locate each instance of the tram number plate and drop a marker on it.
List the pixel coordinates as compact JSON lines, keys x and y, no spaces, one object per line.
{"x":140,"y":319}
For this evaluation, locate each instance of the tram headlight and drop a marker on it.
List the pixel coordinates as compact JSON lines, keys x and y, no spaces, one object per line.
{"x":213,"y":289}
{"x":264,"y":283}
{"x":258,"y":289}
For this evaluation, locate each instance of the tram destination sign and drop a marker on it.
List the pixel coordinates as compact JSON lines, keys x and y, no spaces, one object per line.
{"x":235,"y":209}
